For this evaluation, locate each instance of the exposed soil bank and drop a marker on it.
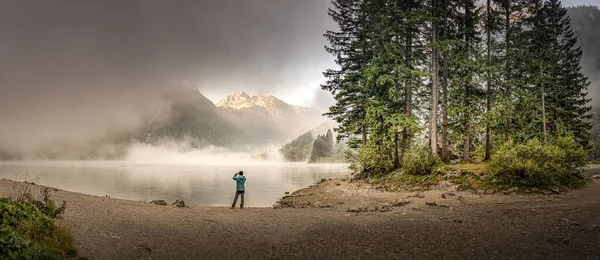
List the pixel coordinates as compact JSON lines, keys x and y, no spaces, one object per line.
{"x":463,"y":226}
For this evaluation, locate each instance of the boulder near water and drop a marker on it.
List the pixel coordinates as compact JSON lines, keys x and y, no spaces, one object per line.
{"x":179,"y":204}
{"x":159,"y":202}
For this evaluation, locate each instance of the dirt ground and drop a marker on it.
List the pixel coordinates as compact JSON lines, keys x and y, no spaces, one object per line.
{"x":340,"y":220}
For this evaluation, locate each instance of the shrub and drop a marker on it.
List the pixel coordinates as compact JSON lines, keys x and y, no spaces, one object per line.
{"x":534,"y":164}
{"x":419,"y":161}
{"x":375,"y":159}
{"x":28,"y":231}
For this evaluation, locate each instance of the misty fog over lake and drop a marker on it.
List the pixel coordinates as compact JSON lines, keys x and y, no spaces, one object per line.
{"x":202,"y":185}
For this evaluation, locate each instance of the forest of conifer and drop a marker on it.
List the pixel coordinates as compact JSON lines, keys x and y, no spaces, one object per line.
{"x":465,"y":80}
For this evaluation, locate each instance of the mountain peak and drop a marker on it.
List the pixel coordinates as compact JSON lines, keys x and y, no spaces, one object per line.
{"x":235,"y":100}
{"x":240,"y":100}
{"x":240,"y":94}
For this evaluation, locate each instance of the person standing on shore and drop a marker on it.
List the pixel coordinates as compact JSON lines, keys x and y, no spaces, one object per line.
{"x":240,"y":179}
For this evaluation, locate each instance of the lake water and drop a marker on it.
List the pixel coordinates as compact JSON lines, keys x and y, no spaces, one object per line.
{"x":195,"y":184}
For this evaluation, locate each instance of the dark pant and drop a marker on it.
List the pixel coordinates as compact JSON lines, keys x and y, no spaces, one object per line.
{"x":237,"y":193}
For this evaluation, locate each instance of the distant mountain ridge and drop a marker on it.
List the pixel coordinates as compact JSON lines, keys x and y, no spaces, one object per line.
{"x":274,"y":106}
{"x":238,"y":120}
{"x":288,"y":120}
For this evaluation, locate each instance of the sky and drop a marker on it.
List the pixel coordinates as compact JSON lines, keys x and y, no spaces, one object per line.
{"x":258,"y":46}
{"x":580,"y":2}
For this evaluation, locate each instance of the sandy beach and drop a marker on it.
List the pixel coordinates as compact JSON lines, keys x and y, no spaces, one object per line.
{"x":340,"y":219}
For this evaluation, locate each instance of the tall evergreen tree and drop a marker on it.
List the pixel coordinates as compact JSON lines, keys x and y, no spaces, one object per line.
{"x":466,"y":65}
{"x":445,"y":42}
{"x":329,"y":141}
{"x":567,"y":90}
{"x":491,"y":28}
{"x":554,"y":73}
{"x":511,"y":45}
{"x":350,"y":47}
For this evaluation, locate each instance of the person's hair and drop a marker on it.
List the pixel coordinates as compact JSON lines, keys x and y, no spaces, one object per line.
{"x":241,"y":173}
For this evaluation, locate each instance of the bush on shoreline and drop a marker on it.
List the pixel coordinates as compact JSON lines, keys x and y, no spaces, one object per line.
{"x":28,"y":230}
{"x":533,"y":164}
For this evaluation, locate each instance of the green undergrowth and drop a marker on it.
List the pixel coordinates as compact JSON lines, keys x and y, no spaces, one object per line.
{"x":469,"y":176}
{"x":558,"y":162}
{"x":28,"y":229}
{"x":531,"y":165}
{"x":465,"y":174}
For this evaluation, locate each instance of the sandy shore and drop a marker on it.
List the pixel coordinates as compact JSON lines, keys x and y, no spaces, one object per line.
{"x":464,"y":226}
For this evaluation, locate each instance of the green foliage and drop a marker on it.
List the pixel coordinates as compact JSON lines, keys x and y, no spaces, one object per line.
{"x":47,"y":205}
{"x":492,"y":89}
{"x":27,"y":230}
{"x":595,"y":136}
{"x":375,"y":159}
{"x":299,"y":149}
{"x":419,"y":161}
{"x":395,"y":182}
{"x":534,"y":164}
{"x":322,"y":147}
{"x":345,"y":83}
{"x":552,"y":69}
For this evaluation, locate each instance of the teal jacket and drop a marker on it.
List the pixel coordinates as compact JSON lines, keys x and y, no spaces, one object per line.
{"x":241,"y":179}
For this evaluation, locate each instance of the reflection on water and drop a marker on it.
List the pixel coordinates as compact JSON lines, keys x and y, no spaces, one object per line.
{"x":195,"y":184}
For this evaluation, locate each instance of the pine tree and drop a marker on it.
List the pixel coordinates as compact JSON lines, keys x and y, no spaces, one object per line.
{"x":414,"y":16}
{"x":329,"y":141}
{"x":445,"y":28}
{"x":466,"y":65}
{"x":394,"y":74}
{"x":554,"y":75}
{"x":322,"y":147}
{"x":491,"y":28}
{"x":567,"y":90}
{"x":511,"y":45}
{"x":350,"y":47}
{"x":299,"y":149}
{"x":452,"y":36}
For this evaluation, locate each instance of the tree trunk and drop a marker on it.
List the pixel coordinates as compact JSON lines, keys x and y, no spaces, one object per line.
{"x":396,"y":153}
{"x":543,"y":107}
{"x":434,"y":87}
{"x":508,"y":70}
{"x":467,"y":142}
{"x":467,"y":116}
{"x":445,"y":86}
{"x":364,"y":134}
{"x":407,"y":85}
{"x":488,"y":130}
